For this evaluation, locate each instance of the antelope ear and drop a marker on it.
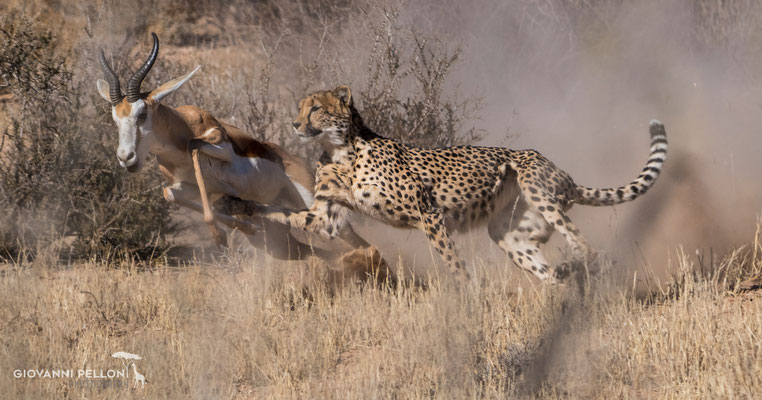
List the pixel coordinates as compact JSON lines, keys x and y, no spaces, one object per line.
{"x":344,"y":94}
{"x":169,"y":87}
{"x":103,"y":89}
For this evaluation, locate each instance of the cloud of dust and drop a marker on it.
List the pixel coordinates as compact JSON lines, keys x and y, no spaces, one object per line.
{"x":580,"y":83}
{"x":580,"y":86}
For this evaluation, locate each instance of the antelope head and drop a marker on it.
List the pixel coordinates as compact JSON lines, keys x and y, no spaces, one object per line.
{"x":135,"y":114}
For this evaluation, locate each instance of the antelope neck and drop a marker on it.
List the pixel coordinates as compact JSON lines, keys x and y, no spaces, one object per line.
{"x":171,"y":132}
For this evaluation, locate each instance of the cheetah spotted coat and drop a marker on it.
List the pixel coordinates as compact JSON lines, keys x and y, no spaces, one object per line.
{"x":519,"y":194}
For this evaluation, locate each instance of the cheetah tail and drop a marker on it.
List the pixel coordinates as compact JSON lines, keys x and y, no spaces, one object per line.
{"x":641,"y":184}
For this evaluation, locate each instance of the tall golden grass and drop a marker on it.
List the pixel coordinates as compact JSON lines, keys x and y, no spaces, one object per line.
{"x":243,"y":329}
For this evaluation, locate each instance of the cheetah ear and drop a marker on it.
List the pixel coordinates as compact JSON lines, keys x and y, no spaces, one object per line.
{"x":344,"y":94}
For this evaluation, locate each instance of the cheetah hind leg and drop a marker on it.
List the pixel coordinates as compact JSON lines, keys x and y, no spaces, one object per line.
{"x":555,"y":216}
{"x":519,"y":231}
{"x":436,"y":232}
{"x":582,"y":254}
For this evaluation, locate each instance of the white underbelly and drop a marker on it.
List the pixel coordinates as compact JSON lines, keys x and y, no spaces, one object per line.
{"x":254,"y":179}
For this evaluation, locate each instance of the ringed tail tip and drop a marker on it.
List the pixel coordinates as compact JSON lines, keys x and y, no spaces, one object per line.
{"x":656,"y":128}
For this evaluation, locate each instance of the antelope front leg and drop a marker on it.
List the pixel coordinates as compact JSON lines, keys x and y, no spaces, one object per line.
{"x":219,"y":236}
{"x":222,"y":151}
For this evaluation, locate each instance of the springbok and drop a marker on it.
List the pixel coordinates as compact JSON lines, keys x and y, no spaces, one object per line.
{"x":202,"y":158}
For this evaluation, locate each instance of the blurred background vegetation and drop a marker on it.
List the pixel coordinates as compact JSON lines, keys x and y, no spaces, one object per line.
{"x":62,"y":193}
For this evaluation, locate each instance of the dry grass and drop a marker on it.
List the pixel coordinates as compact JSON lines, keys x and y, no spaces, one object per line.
{"x":245,"y":326}
{"x":242,"y":329}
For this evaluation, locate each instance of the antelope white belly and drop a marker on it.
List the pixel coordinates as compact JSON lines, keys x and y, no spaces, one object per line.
{"x":256,"y":179}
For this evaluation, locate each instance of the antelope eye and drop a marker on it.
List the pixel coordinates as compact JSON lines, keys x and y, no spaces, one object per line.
{"x":142,"y":116}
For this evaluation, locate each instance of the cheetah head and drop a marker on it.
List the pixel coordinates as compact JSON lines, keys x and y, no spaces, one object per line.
{"x":325,"y":117}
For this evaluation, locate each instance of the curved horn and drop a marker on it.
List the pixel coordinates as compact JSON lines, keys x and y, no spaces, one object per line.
{"x":133,"y":85}
{"x":113,"y":81}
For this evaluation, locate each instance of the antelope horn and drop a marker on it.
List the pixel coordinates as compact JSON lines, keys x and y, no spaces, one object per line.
{"x":133,"y":85}
{"x":113,"y":81}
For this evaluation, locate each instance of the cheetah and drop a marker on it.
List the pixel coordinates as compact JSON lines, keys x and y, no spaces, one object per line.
{"x":519,"y":194}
